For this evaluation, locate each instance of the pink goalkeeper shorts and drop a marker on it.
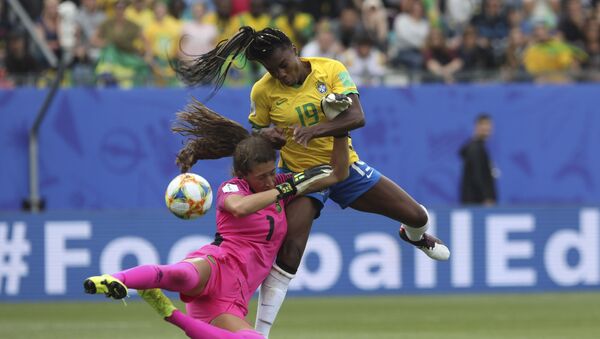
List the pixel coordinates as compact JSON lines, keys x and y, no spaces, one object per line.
{"x":225,"y":290}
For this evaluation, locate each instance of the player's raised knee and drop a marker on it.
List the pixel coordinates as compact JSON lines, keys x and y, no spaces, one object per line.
{"x":418,"y":217}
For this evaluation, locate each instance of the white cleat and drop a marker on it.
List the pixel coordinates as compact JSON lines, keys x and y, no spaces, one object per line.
{"x":430,"y":245}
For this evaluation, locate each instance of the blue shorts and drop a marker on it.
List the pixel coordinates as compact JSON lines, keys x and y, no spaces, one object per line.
{"x":360,"y":179}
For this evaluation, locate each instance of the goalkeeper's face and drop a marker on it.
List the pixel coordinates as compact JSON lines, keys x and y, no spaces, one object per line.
{"x":261,"y":177}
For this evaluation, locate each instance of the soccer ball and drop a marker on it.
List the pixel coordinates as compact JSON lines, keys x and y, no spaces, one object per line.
{"x":188,"y":196}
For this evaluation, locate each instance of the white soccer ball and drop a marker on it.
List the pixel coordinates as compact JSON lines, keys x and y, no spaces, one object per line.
{"x":188,"y":196}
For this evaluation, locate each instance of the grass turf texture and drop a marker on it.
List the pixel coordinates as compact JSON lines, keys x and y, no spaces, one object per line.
{"x":569,"y":315}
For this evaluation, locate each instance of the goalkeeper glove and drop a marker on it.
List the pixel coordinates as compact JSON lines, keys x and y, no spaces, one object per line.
{"x":333,"y":104}
{"x":299,"y":182}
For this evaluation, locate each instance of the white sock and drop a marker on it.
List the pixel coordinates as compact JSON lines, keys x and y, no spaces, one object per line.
{"x":270,"y":298}
{"x":414,"y":233}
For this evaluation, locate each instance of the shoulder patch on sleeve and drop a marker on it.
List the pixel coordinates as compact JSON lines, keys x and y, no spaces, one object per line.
{"x":228,"y":188}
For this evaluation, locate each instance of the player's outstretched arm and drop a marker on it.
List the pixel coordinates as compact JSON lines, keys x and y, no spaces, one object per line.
{"x":298,"y":183}
{"x":339,"y":163}
{"x":352,"y":118}
{"x":243,"y":205}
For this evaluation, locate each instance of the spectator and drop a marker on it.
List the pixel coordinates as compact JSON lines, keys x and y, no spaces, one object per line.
{"x":349,"y":26}
{"x":375,"y":22}
{"x":477,"y":60}
{"x":121,"y":40}
{"x":458,"y":14}
{"x":545,"y":11}
{"x":139,"y":13}
{"x":5,"y":24}
{"x":572,"y":24}
{"x":515,"y":18}
{"x":592,"y":47}
{"x":441,"y":62}
{"x":177,"y":8}
{"x":108,"y":6}
{"x":198,"y":36}
{"x":324,"y":44}
{"x":478,"y":183}
{"x":258,"y":18}
{"x":410,"y":32}
{"x":240,"y":6}
{"x":432,"y":10}
{"x":322,"y":9}
{"x":47,"y":29}
{"x":89,"y":18}
{"x":21,"y":66}
{"x":550,"y":59}
{"x":244,"y":72}
{"x":365,"y":63}
{"x":297,"y":25}
{"x":162,"y":36}
{"x":221,"y":18}
{"x":492,"y":25}
{"x":512,"y":66}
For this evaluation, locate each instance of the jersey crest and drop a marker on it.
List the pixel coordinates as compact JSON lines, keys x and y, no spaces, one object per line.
{"x":321,"y":87}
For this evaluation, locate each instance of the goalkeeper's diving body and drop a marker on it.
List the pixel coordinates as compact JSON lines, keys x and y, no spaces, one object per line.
{"x":299,"y":105}
{"x":217,"y":281}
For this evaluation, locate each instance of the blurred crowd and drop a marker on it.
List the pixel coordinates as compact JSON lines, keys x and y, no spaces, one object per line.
{"x":128,"y":43}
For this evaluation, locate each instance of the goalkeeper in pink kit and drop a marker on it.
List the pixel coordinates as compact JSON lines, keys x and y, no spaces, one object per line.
{"x":217,"y":281}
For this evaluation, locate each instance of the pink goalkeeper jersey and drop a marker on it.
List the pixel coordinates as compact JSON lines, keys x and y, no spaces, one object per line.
{"x":253,"y":240}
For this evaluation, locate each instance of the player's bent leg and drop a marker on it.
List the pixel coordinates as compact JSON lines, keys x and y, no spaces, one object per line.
{"x":300,"y":214}
{"x":107,"y":285}
{"x":203,"y":270}
{"x":225,"y":326}
{"x":158,"y":301}
{"x":231,"y":326}
{"x":387,"y":198}
{"x":180,"y":277}
{"x":270,"y":298}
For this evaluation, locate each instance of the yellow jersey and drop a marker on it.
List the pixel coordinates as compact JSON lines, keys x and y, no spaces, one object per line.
{"x":273,"y":103}
{"x":163,"y":37}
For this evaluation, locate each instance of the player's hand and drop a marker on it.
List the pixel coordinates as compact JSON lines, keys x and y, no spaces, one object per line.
{"x":303,"y":135}
{"x":300,"y":182}
{"x":275,"y":135}
{"x":333,"y":104}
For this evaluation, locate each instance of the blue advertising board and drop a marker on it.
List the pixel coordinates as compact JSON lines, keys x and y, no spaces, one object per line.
{"x":47,"y":256}
{"x":112,"y":149}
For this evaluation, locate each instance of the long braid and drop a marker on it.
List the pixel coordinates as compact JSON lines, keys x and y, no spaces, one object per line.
{"x":213,"y":66}
{"x":209,"y":135}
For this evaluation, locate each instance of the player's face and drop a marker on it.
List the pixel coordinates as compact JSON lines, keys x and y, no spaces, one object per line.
{"x":484,"y":129}
{"x":284,"y":66}
{"x":262,"y":176}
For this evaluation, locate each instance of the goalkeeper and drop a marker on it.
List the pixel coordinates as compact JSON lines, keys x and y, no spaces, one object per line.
{"x":217,"y":281}
{"x":300,"y":105}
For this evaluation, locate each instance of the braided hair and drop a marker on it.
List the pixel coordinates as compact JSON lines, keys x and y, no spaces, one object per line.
{"x":212,"y":67}
{"x":212,"y":136}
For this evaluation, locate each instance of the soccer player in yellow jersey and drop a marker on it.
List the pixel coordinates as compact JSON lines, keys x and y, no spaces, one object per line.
{"x":301,"y":104}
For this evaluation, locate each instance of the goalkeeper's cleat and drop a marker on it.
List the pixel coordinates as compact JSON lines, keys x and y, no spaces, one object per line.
{"x":158,"y":301}
{"x":430,"y":245}
{"x":107,"y":285}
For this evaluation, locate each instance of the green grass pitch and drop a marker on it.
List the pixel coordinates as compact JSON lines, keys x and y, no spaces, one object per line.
{"x":548,"y":316}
